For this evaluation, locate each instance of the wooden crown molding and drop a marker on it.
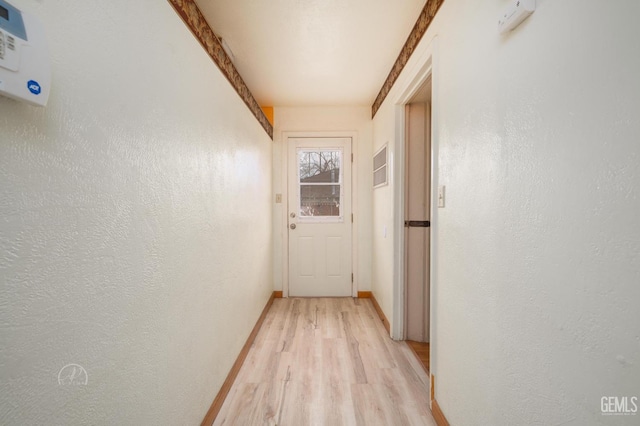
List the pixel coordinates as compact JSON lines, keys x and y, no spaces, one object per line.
{"x":424,"y":20}
{"x":193,"y":18}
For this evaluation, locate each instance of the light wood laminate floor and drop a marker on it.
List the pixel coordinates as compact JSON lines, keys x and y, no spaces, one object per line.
{"x":327,"y":361}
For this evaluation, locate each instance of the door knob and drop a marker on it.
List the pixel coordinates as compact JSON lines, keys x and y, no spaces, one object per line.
{"x":292,"y":226}
{"x":292,"y":215}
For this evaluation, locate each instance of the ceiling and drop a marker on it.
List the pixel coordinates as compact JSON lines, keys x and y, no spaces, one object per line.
{"x":313,"y":52}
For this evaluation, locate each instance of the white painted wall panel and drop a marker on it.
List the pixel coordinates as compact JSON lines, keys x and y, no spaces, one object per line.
{"x":537,"y":265}
{"x":383,"y":215}
{"x":135,"y":230}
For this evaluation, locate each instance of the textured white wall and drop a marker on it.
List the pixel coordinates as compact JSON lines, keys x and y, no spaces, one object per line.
{"x":537,"y":250}
{"x":383,"y":214}
{"x":130,"y":209}
{"x":327,"y":119}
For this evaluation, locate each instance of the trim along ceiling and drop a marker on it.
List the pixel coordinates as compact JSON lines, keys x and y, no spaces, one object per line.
{"x":191,"y":15}
{"x":424,"y":20}
{"x":195,"y":20}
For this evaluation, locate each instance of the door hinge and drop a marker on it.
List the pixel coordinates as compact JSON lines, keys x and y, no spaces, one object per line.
{"x":352,"y":277}
{"x":352,"y":157}
{"x":351,"y":217}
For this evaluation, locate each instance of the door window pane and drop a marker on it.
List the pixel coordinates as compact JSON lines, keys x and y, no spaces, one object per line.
{"x":320,"y":182}
{"x":319,"y":200}
{"x":319,"y":166}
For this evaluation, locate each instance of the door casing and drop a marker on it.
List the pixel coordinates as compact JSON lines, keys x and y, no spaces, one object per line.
{"x":426,"y":67}
{"x":286,"y":135}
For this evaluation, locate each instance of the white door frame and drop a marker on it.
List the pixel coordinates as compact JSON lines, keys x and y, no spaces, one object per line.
{"x":286,"y":135}
{"x":419,"y":74}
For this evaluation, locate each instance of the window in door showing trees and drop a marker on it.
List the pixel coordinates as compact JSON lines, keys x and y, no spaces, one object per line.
{"x":320,"y":178}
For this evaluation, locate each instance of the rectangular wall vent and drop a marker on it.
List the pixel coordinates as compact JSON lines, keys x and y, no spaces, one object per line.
{"x":380,"y":167}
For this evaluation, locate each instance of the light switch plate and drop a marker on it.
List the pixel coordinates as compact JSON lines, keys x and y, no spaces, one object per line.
{"x":441,"y":196}
{"x":278,"y":198}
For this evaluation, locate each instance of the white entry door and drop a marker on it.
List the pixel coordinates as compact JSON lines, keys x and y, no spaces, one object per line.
{"x":319,"y":216}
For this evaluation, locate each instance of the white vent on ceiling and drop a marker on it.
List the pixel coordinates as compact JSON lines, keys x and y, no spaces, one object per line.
{"x":380,"y":167}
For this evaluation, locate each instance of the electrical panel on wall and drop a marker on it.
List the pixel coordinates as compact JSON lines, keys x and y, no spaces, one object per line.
{"x":25,"y":70}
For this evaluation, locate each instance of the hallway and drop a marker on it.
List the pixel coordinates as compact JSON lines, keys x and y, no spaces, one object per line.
{"x":327,"y":361}
{"x":146,"y":213}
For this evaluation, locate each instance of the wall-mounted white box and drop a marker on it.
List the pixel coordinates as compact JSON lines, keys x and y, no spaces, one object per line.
{"x":25,"y":70}
{"x":518,"y":11}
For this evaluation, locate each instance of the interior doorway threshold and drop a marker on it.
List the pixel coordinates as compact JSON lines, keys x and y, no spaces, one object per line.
{"x":421,"y":351}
